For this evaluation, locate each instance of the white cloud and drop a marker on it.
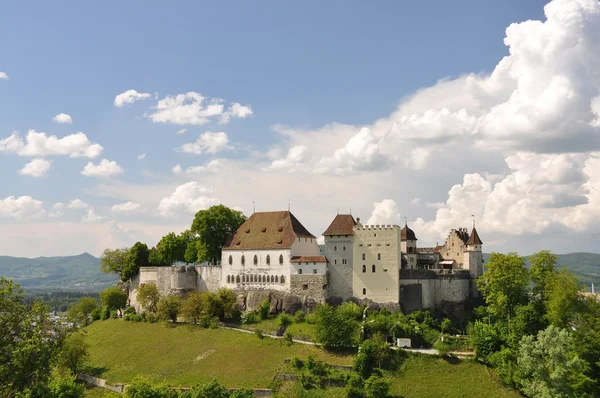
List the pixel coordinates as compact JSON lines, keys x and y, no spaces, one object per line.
{"x":36,"y":168}
{"x":129,"y":97}
{"x":77,"y":204}
{"x":3,"y":76}
{"x":208,"y":142}
{"x":384,"y":213}
{"x":22,"y":207}
{"x":189,"y":108}
{"x":142,"y":156}
{"x":181,"y":131}
{"x":236,"y":110}
{"x":293,"y":161}
{"x":62,"y":118}
{"x":39,"y":144}
{"x":91,"y":216}
{"x":105,"y":168}
{"x":210,"y":167}
{"x":126,"y":208}
{"x":415,"y":201}
{"x":177,"y":169}
{"x":188,"y":199}
{"x":57,"y":210}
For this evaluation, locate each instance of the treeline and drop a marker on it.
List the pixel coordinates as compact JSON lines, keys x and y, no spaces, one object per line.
{"x":537,"y":330}
{"x":201,"y":243}
{"x":57,"y":301}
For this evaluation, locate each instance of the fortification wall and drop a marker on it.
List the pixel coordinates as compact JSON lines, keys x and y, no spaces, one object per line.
{"x":309,"y":286}
{"x":209,"y":278}
{"x":183,"y":279}
{"x":427,"y":289}
{"x":339,"y":265}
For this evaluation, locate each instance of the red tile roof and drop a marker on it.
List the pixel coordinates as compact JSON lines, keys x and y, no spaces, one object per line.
{"x":407,"y":234}
{"x":308,"y":259}
{"x":268,"y":230}
{"x":342,"y":224}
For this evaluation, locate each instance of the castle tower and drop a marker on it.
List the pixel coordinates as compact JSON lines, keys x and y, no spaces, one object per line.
{"x":339,"y":240}
{"x":408,"y":246}
{"x":473,"y":256}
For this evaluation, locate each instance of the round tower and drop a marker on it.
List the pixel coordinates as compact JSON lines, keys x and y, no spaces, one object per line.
{"x":473,"y":254}
{"x":408,"y":246}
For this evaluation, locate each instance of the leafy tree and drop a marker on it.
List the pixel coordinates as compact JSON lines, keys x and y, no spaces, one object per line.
{"x":445,"y":325}
{"x":563,"y":298}
{"x":504,"y":284}
{"x":228,"y":303}
{"x":211,"y":389}
{"x":28,"y":341}
{"x":285,"y":320}
{"x":193,"y":307}
{"x":80,"y":311}
{"x":148,"y":297}
{"x":169,"y":307}
{"x":243,"y":393}
{"x":214,"y":227}
{"x":114,"y":260}
{"x":542,"y":269}
{"x":586,"y":342}
{"x":63,"y":385}
{"x":154,"y":257}
{"x":191,"y":252}
{"x":372,"y":353}
{"x":113,"y":298}
{"x":334,"y":328}
{"x":485,"y":339}
{"x":74,"y":352}
{"x":142,"y":388}
{"x":264,"y":309}
{"x":376,"y":387}
{"x":549,"y":368}
{"x":171,"y":248}
{"x":137,"y":256}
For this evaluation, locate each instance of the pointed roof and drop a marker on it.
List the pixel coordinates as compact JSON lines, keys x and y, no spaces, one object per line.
{"x":407,"y":233}
{"x":342,"y":224}
{"x":268,"y":230}
{"x":474,"y":238}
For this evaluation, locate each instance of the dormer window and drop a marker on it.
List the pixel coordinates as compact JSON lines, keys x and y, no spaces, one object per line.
{"x":263,"y":230}
{"x":248,"y":231}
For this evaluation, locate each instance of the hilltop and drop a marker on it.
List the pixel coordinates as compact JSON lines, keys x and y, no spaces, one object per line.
{"x":66,"y":273}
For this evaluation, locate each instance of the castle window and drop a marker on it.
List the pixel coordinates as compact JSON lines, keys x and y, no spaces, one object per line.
{"x":334,"y":248}
{"x":344,"y":261}
{"x":360,"y":244}
{"x":375,"y":235}
{"x":243,"y":278}
{"x":324,"y":287}
{"x":314,"y":270}
{"x":230,"y":260}
{"x":243,"y":260}
{"x":299,"y":271}
{"x":335,"y":260}
{"x":255,"y":259}
{"x":237,"y":279}
{"x":281,"y":259}
{"x":228,"y":279}
{"x":268,"y":260}
{"x":364,"y":268}
{"x":373,"y":268}
{"x":364,"y":256}
{"x":378,"y":256}
{"x":364,"y":290}
{"x":276,"y":278}
{"x":315,"y":263}
{"x":282,"y":280}
{"x":304,"y":287}
{"x":344,"y":248}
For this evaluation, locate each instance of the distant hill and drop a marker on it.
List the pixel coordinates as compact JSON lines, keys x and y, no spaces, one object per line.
{"x":586,"y":266}
{"x":69,"y":273}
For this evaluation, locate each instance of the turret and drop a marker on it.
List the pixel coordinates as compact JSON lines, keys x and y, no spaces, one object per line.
{"x":473,"y":255}
{"x":408,"y":245}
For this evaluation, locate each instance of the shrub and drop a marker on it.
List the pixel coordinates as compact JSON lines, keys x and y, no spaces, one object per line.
{"x":354,"y":392}
{"x":308,"y":381}
{"x":242,"y":393}
{"x":169,"y":307}
{"x":259,"y":333}
{"x":300,"y":317}
{"x":249,"y":317}
{"x":297,"y":363}
{"x":264,"y":309}
{"x":129,"y":310}
{"x":318,"y":368}
{"x":205,"y":321}
{"x":96,"y":313}
{"x":285,"y":320}
{"x":376,"y":387}
{"x":142,"y":388}
{"x":105,"y":313}
{"x":311,"y":319}
{"x":336,"y":327}
{"x":148,"y":296}
{"x":114,"y":314}
{"x":193,"y":306}
{"x":288,"y":337}
{"x":150,"y":318}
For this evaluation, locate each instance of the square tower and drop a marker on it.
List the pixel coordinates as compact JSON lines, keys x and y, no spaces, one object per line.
{"x":339,"y":240}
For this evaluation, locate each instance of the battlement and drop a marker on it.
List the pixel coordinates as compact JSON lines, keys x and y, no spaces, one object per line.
{"x":368,"y":227}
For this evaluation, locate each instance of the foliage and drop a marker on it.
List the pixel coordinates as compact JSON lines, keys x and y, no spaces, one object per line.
{"x":542,"y":269}
{"x":191,"y":252}
{"x":485,"y":339}
{"x":114,"y":261}
{"x":193,"y":307}
{"x":214,"y":227}
{"x":249,"y":317}
{"x":376,"y":387}
{"x":148,"y":296}
{"x":74,"y":352}
{"x":351,"y":310}
{"x":142,"y":388}
{"x":335,"y":329}
{"x":28,"y":342}
{"x":549,"y":368}
{"x":372,"y":353}
{"x":137,"y":256}
{"x":259,"y":333}
{"x":60,"y":385}
{"x":80,"y":311}
{"x":96,"y":314}
{"x":113,"y":298}
{"x":227,"y":301}
{"x":264,"y":309}
{"x":562,"y":298}
{"x":300,"y":316}
{"x":285,"y":320}
{"x":169,"y":307}
{"x":288,"y":337}
{"x":243,"y":393}
{"x":446,"y":325}
{"x":586,"y":341}
{"x":170,"y":249}
{"x":211,"y":389}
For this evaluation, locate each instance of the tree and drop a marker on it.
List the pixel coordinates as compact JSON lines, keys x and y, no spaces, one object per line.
{"x":228,"y":303}
{"x":586,"y":341}
{"x":28,"y":341}
{"x":264,"y":309}
{"x":169,"y":307}
{"x":504,"y":284}
{"x":74,"y":352}
{"x":211,"y":389}
{"x":335,"y":329}
{"x":148,"y":297}
{"x":142,"y":388}
{"x":193,"y":307}
{"x":113,"y":261}
{"x":191,"y":252}
{"x":562,"y":294}
{"x":138,"y":256}
{"x":80,"y":311}
{"x":542,"y":269}
{"x":376,"y":387}
{"x":372,"y":352}
{"x":113,"y":298}
{"x":171,"y":248}
{"x":213,"y":228}
{"x":549,"y":368}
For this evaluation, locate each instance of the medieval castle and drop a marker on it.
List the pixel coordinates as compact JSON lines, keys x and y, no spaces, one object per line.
{"x":273,"y":253}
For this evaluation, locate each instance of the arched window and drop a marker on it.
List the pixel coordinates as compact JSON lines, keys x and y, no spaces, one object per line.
{"x":282,"y":280}
{"x":272,"y":279}
{"x":237,"y":279}
{"x":243,"y":260}
{"x":373,"y":268}
{"x":378,"y":256}
{"x":281,"y":259}
{"x":230,"y":260}
{"x":276,"y":278}
{"x":228,"y":279}
{"x":344,"y":248}
{"x":268,"y":259}
{"x":364,"y":256}
{"x":255,"y":259}
{"x":243,"y":278}
{"x":364,"y":268}
{"x":335,"y":260}
{"x":334,"y":248}
{"x":364,"y":290}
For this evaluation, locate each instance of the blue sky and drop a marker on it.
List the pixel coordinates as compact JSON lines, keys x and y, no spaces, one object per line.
{"x":313,"y":74}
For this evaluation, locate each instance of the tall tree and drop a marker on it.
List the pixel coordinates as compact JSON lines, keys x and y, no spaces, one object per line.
{"x":148,"y":296}
{"x":113,"y":261}
{"x":504,"y":284}
{"x":80,"y":311}
{"x":563,"y":298}
{"x":136,"y":257}
{"x":542,"y":269}
{"x":113,"y":298}
{"x":586,"y":342}
{"x":171,"y":248}
{"x":214,"y":227}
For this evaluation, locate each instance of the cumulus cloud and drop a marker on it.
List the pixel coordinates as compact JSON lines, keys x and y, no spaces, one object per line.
{"x":293,"y":161}
{"x":57,"y":210}
{"x":126,"y":208}
{"x":77,"y":204}
{"x":188,"y":108}
{"x":237,"y":111}
{"x":39,"y":144}
{"x":3,"y":76}
{"x":142,"y":156}
{"x":91,"y":216}
{"x":129,"y":97}
{"x":208,"y":142}
{"x":210,"y":167}
{"x":384,"y":213}
{"x":181,"y":131}
{"x":22,"y":207}
{"x":104,"y":168}
{"x":177,"y":169}
{"x":62,"y":118}
{"x":187,"y":199}
{"x":36,"y":168}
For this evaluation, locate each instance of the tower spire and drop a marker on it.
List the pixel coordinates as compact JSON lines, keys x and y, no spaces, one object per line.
{"x":473,"y":217}
{"x":253,"y":207}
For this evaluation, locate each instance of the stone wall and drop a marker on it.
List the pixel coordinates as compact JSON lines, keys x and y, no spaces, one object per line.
{"x":428,"y":289}
{"x":209,"y":278}
{"x":306,"y":286}
{"x":339,"y":265}
{"x":94,"y":381}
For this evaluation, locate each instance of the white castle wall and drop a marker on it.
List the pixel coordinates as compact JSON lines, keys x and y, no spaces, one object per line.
{"x":250,"y":276}
{"x":209,"y":278}
{"x":339,"y":265}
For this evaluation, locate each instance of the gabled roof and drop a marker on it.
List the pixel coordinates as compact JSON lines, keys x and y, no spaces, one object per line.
{"x":342,"y":224}
{"x":474,"y":238}
{"x":407,"y":234}
{"x":268,"y":230}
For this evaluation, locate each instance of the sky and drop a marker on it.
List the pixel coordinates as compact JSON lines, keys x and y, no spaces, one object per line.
{"x":120,"y":120}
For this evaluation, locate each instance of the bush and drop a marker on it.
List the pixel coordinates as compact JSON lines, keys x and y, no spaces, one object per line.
{"x":376,"y":387}
{"x":285,"y":320}
{"x":300,"y":317}
{"x":130,"y":310}
{"x":317,"y":368}
{"x":259,"y":334}
{"x":297,"y":363}
{"x":288,"y":337}
{"x":169,"y":307}
{"x":242,"y":393}
{"x":249,"y":317}
{"x":311,"y":319}
{"x":308,"y":381}
{"x":205,"y":321}
{"x":336,"y":327}
{"x":142,"y":388}
{"x":354,"y":392}
{"x":114,"y":314}
{"x":264,"y":309}
{"x":105,"y":313}
{"x":96,"y":313}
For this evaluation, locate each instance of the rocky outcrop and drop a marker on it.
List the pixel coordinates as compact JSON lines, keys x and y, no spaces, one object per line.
{"x":279,"y":301}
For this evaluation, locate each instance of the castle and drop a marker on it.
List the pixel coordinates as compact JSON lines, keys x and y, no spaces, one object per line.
{"x":273,"y":252}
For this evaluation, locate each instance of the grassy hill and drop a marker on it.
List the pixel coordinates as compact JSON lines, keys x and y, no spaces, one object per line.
{"x":72,"y":273}
{"x":186,"y":354}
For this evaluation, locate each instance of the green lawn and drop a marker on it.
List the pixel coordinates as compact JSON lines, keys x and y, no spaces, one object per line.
{"x":97,"y":392}
{"x":302,"y":331}
{"x":186,"y":354}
